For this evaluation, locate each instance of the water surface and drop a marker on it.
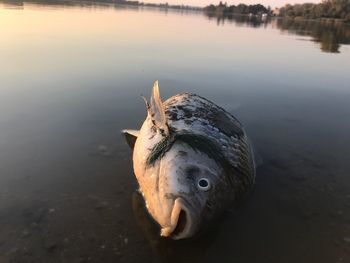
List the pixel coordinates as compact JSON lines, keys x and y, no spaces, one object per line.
{"x":71,"y":79}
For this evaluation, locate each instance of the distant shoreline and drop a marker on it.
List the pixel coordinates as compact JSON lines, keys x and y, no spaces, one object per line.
{"x":337,"y":10}
{"x":221,"y":10}
{"x":297,"y":18}
{"x":116,"y":2}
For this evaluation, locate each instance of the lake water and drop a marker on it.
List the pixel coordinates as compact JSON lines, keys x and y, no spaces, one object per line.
{"x":71,"y":78}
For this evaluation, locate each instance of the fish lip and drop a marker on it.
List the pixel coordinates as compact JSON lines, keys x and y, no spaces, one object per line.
{"x":179,"y":204}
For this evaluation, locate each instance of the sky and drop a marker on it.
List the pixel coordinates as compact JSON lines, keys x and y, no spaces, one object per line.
{"x":272,"y":3}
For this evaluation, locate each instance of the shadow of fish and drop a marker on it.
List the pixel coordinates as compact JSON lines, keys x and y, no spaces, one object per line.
{"x":192,"y":160}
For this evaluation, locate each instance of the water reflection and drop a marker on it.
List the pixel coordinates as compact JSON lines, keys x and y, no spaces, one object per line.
{"x":330,"y":34}
{"x":239,"y":20}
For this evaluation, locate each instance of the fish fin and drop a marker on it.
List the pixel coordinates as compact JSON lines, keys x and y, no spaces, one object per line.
{"x":147,"y":104}
{"x":131,"y":136}
{"x":157,"y":110}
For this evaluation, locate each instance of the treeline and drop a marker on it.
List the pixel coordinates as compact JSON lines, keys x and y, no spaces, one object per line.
{"x":241,"y":9}
{"x":336,"y":9}
{"x":138,"y":3}
{"x":96,"y":2}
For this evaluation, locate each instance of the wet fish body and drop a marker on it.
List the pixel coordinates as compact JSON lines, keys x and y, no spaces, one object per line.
{"x":192,"y":160}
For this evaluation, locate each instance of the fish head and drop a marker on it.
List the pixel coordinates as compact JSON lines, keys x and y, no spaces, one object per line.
{"x":190,"y":187}
{"x":183,"y":190}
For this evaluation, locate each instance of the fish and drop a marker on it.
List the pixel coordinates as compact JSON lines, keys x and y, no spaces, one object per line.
{"x":192,"y":161}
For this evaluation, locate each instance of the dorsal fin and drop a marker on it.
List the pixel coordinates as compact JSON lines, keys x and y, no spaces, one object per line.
{"x":157,"y":110}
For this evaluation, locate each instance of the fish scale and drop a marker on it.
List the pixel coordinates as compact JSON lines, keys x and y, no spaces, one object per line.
{"x":203,"y":115}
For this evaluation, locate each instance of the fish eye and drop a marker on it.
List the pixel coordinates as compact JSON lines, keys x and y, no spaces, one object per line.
{"x":203,"y":184}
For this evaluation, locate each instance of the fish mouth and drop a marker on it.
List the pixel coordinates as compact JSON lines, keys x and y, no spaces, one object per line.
{"x":180,"y":220}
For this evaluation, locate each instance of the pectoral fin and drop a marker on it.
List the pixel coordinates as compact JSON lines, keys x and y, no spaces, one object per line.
{"x":131,"y":136}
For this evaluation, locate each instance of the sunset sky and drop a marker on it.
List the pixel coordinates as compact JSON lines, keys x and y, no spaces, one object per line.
{"x":272,"y":3}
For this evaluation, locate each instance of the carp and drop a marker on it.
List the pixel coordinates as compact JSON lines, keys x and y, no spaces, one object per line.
{"x":192,"y":160}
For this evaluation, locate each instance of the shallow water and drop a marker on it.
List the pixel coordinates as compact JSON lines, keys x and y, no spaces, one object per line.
{"x":71,"y":79}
